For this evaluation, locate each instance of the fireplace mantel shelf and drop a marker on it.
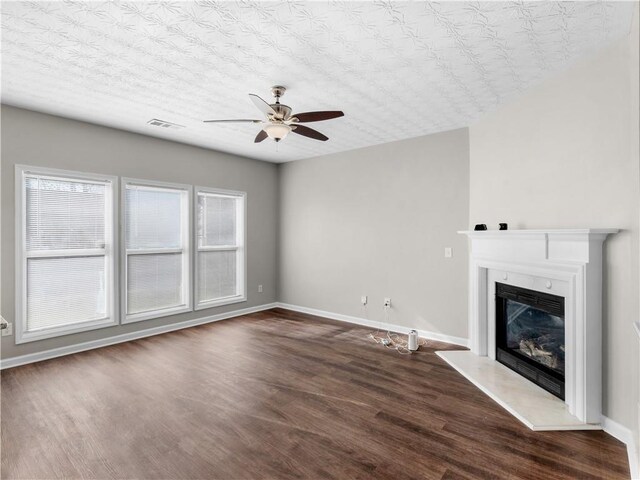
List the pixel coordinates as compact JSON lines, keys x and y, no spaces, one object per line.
{"x":557,"y":231}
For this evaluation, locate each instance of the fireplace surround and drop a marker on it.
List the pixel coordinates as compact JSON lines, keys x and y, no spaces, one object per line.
{"x":555,"y":264}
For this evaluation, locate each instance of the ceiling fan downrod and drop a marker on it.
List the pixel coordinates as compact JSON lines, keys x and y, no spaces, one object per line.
{"x":278,"y":91}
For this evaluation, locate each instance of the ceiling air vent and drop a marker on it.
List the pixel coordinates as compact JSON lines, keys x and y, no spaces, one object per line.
{"x":163,"y":124}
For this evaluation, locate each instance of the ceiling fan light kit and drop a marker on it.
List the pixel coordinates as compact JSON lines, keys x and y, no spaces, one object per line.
{"x":280,"y":121}
{"x":277,"y":131}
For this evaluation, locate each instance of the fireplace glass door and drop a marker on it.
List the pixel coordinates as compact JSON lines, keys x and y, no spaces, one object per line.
{"x":530,"y":337}
{"x":536,"y":334}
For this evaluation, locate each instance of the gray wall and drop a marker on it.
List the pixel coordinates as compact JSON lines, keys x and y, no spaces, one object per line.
{"x":37,"y":139}
{"x":566,"y":155}
{"x":375,"y":221}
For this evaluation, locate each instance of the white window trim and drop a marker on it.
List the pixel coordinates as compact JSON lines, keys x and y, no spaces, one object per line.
{"x":241,"y":280}
{"x":110,"y":252}
{"x":187,"y":231}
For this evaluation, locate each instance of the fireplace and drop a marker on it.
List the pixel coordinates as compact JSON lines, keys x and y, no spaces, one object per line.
{"x":550,"y":280}
{"x":530,"y":335}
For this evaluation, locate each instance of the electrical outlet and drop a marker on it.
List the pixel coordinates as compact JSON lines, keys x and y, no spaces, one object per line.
{"x":448,"y":252}
{"x":8,"y":331}
{"x":259,"y":288}
{"x":387,"y":303}
{"x":363,"y":300}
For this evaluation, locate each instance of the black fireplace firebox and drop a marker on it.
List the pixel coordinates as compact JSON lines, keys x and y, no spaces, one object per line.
{"x":530,"y":335}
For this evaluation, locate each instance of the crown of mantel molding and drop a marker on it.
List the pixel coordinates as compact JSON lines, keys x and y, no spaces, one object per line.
{"x":544,"y":246}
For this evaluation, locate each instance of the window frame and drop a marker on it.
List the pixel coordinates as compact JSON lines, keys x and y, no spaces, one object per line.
{"x":187,"y":262}
{"x":110,"y":252}
{"x":241,"y":271}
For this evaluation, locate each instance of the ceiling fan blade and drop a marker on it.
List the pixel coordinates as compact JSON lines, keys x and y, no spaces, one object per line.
{"x":261,"y":136}
{"x":317,"y":116}
{"x":308,"y":132}
{"x":242,"y":120}
{"x":263,"y":106}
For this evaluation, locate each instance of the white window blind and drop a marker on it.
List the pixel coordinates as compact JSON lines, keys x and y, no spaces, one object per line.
{"x":66,"y":264}
{"x":157,"y":238}
{"x":220,"y":256}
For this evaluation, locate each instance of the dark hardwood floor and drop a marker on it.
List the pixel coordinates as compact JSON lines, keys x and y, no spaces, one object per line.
{"x":274,"y":395}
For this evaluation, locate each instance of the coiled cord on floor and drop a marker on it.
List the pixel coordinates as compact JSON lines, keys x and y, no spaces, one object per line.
{"x":394,"y":341}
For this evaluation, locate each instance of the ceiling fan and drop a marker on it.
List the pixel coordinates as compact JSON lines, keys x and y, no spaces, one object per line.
{"x":280,"y":122}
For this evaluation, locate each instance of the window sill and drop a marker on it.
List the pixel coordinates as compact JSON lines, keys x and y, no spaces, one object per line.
{"x":221,"y":302}
{"x":26,"y":337}
{"x":139,"y":317}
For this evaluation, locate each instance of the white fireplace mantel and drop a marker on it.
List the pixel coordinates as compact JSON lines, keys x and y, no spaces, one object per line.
{"x":567,"y":263}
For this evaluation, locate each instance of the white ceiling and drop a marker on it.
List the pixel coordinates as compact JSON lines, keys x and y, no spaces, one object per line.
{"x":397,"y":69}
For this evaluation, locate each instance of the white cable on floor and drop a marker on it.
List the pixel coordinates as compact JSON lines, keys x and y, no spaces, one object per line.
{"x":395,"y":341}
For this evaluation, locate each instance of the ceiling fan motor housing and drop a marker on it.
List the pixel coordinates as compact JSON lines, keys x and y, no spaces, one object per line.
{"x":282,"y":111}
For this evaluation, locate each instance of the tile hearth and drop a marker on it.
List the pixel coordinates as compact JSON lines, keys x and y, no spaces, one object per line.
{"x":533,"y":406}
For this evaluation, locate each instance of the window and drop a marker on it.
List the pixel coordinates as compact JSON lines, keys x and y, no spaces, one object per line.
{"x":220,"y":256}
{"x":156,"y":260}
{"x":67,"y":276}
{"x":65,"y":263}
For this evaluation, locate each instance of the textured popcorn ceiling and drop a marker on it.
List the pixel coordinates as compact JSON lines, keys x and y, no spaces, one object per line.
{"x":397,"y":69}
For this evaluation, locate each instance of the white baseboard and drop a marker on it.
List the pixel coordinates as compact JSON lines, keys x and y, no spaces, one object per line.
{"x":378,"y":325}
{"x":126,"y":337}
{"x":625,"y":436}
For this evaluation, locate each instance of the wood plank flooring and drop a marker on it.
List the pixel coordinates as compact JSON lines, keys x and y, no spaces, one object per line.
{"x":274,"y":395}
